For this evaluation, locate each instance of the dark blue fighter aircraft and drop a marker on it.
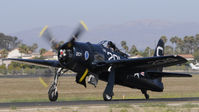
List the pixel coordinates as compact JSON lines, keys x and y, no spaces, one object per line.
{"x":104,"y":61}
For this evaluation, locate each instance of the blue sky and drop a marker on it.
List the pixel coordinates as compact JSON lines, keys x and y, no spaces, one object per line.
{"x":19,"y":15}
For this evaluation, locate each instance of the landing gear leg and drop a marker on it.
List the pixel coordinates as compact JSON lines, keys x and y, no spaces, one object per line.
{"x":145,"y":94}
{"x":52,"y":92}
{"x":108,"y":92}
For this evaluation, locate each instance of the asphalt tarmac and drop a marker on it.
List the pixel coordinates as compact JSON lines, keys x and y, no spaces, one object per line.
{"x":95,"y":102}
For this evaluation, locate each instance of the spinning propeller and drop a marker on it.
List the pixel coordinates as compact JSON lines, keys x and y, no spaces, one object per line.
{"x":49,"y":38}
{"x":47,"y":35}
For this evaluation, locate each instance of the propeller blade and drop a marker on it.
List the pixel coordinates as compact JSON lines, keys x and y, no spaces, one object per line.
{"x":46,"y":78}
{"x":43,"y":82}
{"x":47,"y":35}
{"x":80,"y":30}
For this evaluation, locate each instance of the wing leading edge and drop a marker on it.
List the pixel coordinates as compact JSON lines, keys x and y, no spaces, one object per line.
{"x":45,"y":63}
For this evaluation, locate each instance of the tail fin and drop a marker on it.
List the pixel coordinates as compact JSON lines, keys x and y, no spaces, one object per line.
{"x":159,"y":51}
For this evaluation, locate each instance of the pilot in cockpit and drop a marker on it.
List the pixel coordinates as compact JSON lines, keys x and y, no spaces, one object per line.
{"x":111,"y":46}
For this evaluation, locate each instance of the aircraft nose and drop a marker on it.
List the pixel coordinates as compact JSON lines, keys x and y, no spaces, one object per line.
{"x":65,"y":55}
{"x":62,"y":52}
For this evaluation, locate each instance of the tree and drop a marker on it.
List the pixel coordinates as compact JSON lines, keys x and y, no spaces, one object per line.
{"x":168,"y":50}
{"x":133,"y":51}
{"x":180,"y":46}
{"x":188,"y":44}
{"x":33,"y":47}
{"x":196,"y":55}
{"x":4,"y":53}
{"x":164,"y":38}
{"x":23,"y":48}
{"x":124,"y":46}
{"x":8,"y":42}
{"x":42,"y":51}
{"x":196,"y":46}
{"x":147,"y":52}
{"x":174,"y":41}
{"x":14,"y":43}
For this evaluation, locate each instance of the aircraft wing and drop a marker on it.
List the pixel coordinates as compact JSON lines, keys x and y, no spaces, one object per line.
{"x":167,"y":74}
{"x":143,"y":63}
{"x":39,"y":62}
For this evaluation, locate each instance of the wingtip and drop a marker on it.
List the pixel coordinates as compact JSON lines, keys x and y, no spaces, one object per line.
{"x":5,"y":59}
{"x":184,"y":59}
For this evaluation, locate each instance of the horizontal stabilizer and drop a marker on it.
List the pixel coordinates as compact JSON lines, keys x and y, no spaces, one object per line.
{"x":167,"y":74}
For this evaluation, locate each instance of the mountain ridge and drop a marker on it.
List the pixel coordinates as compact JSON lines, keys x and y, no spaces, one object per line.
{"x":141,"y":33}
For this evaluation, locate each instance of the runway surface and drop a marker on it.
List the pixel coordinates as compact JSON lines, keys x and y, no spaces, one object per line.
{"x":94,"y":102}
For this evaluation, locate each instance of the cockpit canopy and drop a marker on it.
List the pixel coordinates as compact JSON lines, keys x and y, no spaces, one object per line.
{"x":104,"y":43}
{"x":108,"y":44}
{"x":112,"y":46}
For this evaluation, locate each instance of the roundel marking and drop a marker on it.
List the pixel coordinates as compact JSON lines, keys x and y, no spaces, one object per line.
{"x":86,"y":55}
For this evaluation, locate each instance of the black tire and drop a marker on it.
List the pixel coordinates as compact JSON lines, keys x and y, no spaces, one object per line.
{"x":107,"y":97}
{"x":52,"y":94}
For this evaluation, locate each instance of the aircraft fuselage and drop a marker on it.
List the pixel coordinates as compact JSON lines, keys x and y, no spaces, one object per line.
{"x":86,"y":54}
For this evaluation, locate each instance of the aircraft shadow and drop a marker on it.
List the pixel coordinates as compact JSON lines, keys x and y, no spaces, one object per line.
{"x":160,"y":99}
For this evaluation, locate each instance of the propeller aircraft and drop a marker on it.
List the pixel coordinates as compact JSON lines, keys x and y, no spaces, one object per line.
{"x":104,"y":61}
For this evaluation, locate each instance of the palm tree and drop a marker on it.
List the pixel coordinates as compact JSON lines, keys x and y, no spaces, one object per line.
{"x":133,"y":51}
{"x":147,"y":52}
{"x":196,"y":47}
{"x":168,"y":50}
{"x":124,"y":46}
{"x":180,"y":49}
{"x":174,"y":41}
{"x":23,"y":48}
{"x":164,"y":38}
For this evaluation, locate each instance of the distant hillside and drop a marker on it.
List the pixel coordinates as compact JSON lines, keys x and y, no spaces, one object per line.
{"x":142,"y":33}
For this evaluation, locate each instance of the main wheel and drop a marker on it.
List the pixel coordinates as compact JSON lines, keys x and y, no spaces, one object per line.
{"x":107,"y":97}
{"x":52,"y":94}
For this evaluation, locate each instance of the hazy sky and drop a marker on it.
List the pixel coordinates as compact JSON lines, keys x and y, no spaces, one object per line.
{"x":19,"y":15}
